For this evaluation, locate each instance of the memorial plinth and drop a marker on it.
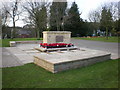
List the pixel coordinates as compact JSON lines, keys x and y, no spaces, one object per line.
{"x":66,"y":57}
{"x":53,"y":38}
{"x":56,"y":37}
{"x":61,"y":61}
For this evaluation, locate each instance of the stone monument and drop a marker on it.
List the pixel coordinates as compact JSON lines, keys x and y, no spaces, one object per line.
{"x":56,"y":37}
{"x":52,"y":37}
{"x":66,"y":57}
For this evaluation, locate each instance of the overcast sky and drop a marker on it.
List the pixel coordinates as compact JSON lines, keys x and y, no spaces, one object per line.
{"x":85,"y":6}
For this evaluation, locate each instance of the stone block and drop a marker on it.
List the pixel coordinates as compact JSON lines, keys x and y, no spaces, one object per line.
{"x":56,"y":37}
{"x":12,"y":43}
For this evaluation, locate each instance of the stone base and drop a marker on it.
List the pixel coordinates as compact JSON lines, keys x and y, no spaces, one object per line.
{"x":55,"y":49}
{"x":64,"y":60}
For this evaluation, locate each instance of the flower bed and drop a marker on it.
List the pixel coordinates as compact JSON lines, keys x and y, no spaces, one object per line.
{"x":55,"y":45}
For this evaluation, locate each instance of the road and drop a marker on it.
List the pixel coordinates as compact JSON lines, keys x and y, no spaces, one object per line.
{"x":98,"y":45}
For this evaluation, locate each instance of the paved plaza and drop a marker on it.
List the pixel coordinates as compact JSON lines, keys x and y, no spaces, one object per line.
{"x":23,"y":53}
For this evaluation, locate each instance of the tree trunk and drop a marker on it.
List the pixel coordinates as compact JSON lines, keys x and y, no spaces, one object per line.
{"x":57,"y":21}
{"x":35,"y":33}
{"x":63,"y":27}
{"x":13,"y":32}
{"x":38,"y":34}
{"x":58,"y":26}
{"x":41,"y":35}
{"x":106,"y":33}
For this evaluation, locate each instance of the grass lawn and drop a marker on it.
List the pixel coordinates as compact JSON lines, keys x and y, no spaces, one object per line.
{"x":5,"y":42}
{"x":110,"y":39}
{"x":100,"y":75}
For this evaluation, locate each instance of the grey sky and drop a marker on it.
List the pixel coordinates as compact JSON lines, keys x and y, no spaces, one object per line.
{"x":85,"y":6}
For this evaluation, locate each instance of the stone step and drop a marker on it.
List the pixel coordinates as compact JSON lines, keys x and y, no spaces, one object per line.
{"x":56,"y":62}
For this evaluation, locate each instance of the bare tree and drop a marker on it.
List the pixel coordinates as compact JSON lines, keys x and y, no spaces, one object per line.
{"x":113,"y":7}
{"x":37,"y":15}
{"x":95,"y":16}
{"x":4,"y":19}
{"x":11,"y":11}
{"x":4,"y":14}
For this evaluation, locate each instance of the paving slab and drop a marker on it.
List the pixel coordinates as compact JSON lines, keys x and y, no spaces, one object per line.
{"x":25,"y":56}
{"x":83,"y":53}
{"x":96,"y":45}
{"x":9,"y":60}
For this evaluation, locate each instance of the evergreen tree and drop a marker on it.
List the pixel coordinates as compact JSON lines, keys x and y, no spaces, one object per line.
{"x":73,"y":20}
{"x":42,"y":20}
{"x":116,"y":29}
{"x":57,"y":13}
{"x":106,"y":21}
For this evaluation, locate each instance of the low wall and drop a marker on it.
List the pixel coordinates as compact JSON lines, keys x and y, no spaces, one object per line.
{"x":14,"y":43}
{"x":58,"y":67}
{"x":79,"y":63}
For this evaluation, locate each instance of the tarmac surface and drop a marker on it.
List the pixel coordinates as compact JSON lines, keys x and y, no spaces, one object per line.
{"x":98,"y":45}
{"x":23,"y":53}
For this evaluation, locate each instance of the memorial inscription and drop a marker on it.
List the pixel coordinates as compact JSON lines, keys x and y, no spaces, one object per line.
{"x":59,"y":38}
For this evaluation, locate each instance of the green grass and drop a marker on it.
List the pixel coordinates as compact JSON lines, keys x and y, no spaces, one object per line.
{"x":100,"y":75}
{"x":110,"y":39}
{"x":5,"y":42}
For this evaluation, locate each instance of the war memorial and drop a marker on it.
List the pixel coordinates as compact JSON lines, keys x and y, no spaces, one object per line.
{"x":57,"y":53}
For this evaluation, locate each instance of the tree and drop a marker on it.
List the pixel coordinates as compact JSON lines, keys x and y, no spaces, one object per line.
{"x":37,"y":16}
{"x":106,"y":20}
{"x":14,"y":15}
{"x":4,"y":14}
{"x":116,"y":29}
{"x":10,"y":13}
{"x":112,"y":11}
{"x":4,"y":18}
{"x":105,"y":17}
{"x":0,"y":25}
{"x":57,"y":14}
{"x":73,"y":20}
{"x":94,"y":17}
{"x":113,"y":7}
